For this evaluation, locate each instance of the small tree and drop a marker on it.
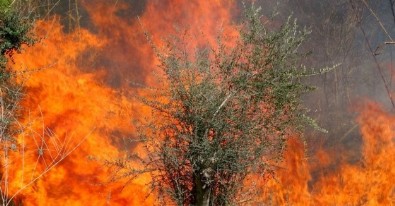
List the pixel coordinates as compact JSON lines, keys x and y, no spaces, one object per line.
{"x":225,"y":113}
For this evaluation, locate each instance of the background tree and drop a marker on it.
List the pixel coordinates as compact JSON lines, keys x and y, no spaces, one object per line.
{"x":225,"y":113}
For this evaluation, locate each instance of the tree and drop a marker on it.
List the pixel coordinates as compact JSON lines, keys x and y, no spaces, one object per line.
{"x":225,"y":113}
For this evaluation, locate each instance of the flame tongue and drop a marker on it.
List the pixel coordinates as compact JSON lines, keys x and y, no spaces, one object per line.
{"x":75,"y":99}
{"x":68,"y":112}
{"x":73,"y":109}
{"x":369,"y":182}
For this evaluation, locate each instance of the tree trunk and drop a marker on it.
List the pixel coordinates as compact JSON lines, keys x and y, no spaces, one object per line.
{"x":206,"y":197}
{"x":201,"y":191}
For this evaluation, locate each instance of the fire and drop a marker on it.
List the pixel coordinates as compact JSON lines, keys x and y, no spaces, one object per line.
{"x":368,"y":182}
{"x":78,"y":107}
{"x":129,"y":49}
{"x":68,"y":112}
{"x":78,"y":110}
{"x":371,"y":182}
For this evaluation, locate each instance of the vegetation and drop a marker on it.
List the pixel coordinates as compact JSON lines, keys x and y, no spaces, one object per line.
{"x":226,"y":110}
{"x":226,"y":113}
{"x":14,"y":32}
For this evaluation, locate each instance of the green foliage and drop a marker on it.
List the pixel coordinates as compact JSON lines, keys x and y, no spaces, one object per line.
{"x":225,"y":113}
{"x":14,"y":29}
{"x":5,"y":6}
{"x":13,"y":32}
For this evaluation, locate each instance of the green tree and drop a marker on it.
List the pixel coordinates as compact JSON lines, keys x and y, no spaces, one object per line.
{"x":225,"y":113}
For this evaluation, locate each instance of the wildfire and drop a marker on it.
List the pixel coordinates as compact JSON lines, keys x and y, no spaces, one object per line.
{"x":76,"y":115}
{"x":75,"y":108}
{"x":68,"y":112}
{"x":368,"y":182}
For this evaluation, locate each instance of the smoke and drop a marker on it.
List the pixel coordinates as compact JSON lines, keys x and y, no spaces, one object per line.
{"x":100,"y":54}
{"x":335,"y":39}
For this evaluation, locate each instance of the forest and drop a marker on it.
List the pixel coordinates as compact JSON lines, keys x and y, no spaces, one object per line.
{"x":175,"y":102}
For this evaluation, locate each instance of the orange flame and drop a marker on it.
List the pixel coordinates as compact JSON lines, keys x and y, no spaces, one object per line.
{"x":68,"y":113}
{"x":74,"y":110}
{"x":75,"y":115}
{"x":368,"y":182}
